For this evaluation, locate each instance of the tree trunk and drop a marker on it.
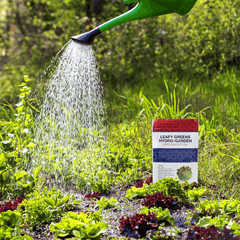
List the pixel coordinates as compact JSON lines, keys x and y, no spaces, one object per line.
{"x":97,"y":6}
{"x":6,"y":39}
{"x":88,"y":7}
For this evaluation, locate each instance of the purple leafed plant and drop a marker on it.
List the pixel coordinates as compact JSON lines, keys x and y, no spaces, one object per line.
{"x":150,"y":180}
{"x":160,"y":200}
{"x":140,"y":183}
{"x":94,"y":195}
{"x":211,"y":233}
{"x":11,"y":205}
{"x":138,"y":225}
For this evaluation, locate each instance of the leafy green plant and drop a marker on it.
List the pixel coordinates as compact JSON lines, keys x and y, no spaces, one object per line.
{"x":226,"y":207}
{"x":117,"y":159}
{"x":169,"y":187}
{"x":16,"y":141}
{"x":220,"y":222}
{"x":137,"y":192}
{"x":81,"y":226}
{"x":25,"y":182}
{"x":196,"y":193}
{"x":162,"y":215}
{"x":104,"y":203}
{"x":18,"y":183}
{"x":100,"y":181}
{"x":46,"y":206}
{"x":10,"y":223}
{"x":5,"y":173}
{"x":17,"y":132}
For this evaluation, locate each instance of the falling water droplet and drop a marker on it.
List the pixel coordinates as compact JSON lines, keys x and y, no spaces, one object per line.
{"x":72,"y":112}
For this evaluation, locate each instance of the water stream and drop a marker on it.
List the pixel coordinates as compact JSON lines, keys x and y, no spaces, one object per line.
{"x":72,"y":113}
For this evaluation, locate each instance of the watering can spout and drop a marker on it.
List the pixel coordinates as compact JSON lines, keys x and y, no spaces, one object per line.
{"x":144,"y":9}
{"x":86,"y":38}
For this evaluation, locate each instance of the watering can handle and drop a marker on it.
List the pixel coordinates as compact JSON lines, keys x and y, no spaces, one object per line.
{"x":143,"y":9}
{"x":129,"y":1}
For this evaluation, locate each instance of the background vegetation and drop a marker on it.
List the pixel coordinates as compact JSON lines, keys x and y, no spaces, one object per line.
{"x":147,"y":73}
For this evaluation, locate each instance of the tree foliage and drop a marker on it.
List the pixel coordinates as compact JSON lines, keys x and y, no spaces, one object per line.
{"x":33,"y":31}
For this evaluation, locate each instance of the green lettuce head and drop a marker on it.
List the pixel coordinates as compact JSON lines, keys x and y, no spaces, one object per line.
{"x":184,"y":173}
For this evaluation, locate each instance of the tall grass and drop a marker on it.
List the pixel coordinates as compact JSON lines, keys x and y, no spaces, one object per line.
{"x":126,"y":154}
{"x":215,"y":102}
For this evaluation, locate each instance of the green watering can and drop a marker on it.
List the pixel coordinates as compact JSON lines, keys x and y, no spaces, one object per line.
{"x":144,"y":9}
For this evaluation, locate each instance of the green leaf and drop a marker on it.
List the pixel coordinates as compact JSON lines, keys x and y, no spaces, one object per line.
{"x":204,"y":222}
{"x":115,"y":149}
{"x":131,"y":194}
{"x":94,"y":232}
{"x":125,"y":159}
{"x":170,"y":219}
{"x":196,"y":194}
{"x":2,"y":158}
{"x":30,"y":145}
{"x":19,"y":174}
{"x":66,"y":199}
{"x":4,"y":176}
{"x":50,"y":201}
{"x":80,"y":234}
{"x":36,"y":171}
{"x":59,"y":204}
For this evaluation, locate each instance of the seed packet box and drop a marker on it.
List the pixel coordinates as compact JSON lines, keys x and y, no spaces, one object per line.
{"x":175,"y":149}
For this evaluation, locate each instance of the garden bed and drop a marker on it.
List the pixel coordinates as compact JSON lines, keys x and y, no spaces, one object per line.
{"x":129,"y":207}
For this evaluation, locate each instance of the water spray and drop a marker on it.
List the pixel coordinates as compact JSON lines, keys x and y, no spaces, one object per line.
{"x":144,"y":9}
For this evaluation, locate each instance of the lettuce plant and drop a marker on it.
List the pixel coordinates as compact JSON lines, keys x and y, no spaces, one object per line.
{"x":169,"y":187}
{"x":92,"y":195}
{"x":162,"y":215}
{"x":138,"y":225}
{"x":137,"y":192}
{"x":11,"y":205}
{"x":196,"y":193}
{"x":160,"y":200}
{"x":81,"y":226}
{"x":211,"y":233}
{"x":140,"y":183}
{"x":149,"y":180}
{"x":229,"y":207}
{"x":11,"y":219}
{"x":220,"y":222}
{"x":10,"y":223}
{"x":47,"y":206}
{"x":105,"y":203}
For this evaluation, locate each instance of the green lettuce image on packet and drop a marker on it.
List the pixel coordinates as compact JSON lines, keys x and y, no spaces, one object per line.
{"x":184,"y":173}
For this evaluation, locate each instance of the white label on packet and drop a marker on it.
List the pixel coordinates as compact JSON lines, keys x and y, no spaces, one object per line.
{"x":175,"y":139}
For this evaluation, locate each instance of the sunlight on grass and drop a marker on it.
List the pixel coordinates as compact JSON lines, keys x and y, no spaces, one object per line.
{"x":124,"y":155}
